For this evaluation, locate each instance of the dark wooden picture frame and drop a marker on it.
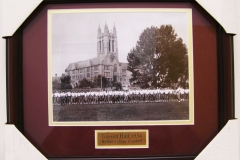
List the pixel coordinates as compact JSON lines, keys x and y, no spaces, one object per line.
{"x":16,"y":72}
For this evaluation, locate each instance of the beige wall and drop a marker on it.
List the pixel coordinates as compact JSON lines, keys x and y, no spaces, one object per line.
{"x":2,"y":89}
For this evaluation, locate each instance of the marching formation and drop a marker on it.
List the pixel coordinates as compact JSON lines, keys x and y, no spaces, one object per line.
{"x":130,"y":96}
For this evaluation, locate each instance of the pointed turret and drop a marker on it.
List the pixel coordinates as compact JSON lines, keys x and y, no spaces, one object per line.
{"x":99,"y":31}
{"x":106,"y":30}
{"x":114,"y":31}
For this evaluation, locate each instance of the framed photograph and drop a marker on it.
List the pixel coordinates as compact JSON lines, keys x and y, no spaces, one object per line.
{"x":117,"y":75}
{"x":104,"y":80}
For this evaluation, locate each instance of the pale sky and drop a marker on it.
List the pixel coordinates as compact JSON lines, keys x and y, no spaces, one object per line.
{"x":74,"y":35}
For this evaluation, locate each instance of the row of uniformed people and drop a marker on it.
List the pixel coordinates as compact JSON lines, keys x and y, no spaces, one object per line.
{"x":131,"y":96}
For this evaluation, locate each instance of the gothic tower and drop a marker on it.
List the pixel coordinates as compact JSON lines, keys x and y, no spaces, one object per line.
{"x":107,"y":43}
{"x":115,"y":42}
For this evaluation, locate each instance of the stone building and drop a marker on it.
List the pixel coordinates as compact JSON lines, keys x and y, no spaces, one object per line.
{"x":106,"y":63}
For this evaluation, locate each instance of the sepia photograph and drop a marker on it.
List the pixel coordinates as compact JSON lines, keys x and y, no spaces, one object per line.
{"x":118,"y":67}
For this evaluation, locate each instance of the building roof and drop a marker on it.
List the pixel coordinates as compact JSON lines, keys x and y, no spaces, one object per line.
{"x":82,"y":64}
{"x":94,"y":61}
{"x":88,"y":63}
{"x":70,"y":67}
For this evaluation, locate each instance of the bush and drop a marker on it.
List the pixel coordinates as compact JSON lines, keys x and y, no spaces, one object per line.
{"x":84,"y":83}
{"x":118,"y":86}
{"x":67,"y":86}
{"x":56,"y":86}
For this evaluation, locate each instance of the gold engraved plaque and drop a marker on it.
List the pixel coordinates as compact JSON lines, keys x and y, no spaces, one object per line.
{"x":107,"y":139}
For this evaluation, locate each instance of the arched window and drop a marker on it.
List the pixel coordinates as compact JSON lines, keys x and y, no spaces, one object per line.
{"x":115,"y":68}
{"x":100,"y":46}
{"x":113,"y":45}
{"x":109,"y":45}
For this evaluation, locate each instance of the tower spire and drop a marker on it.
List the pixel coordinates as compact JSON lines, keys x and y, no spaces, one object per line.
{"x":114,"y":30}
{"x":106,"y":30}
{"x":99,"y":30}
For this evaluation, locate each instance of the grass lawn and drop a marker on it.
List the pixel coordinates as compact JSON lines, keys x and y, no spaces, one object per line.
{"x":122,"y":112}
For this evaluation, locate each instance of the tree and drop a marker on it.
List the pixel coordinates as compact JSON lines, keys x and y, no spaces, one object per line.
{"x":109,"y":83}
{"x":56,"y":85}
{"x":66,"y":82}
{"x":67,"y":86}
{"x":133,"y":65}
{"x":159,"y":58}
{"x":141,"y":59}
{"x":97,"y":81}
{"x":114,"y":81}
{"x":171,"y":57}
{"x":118,"y":86}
